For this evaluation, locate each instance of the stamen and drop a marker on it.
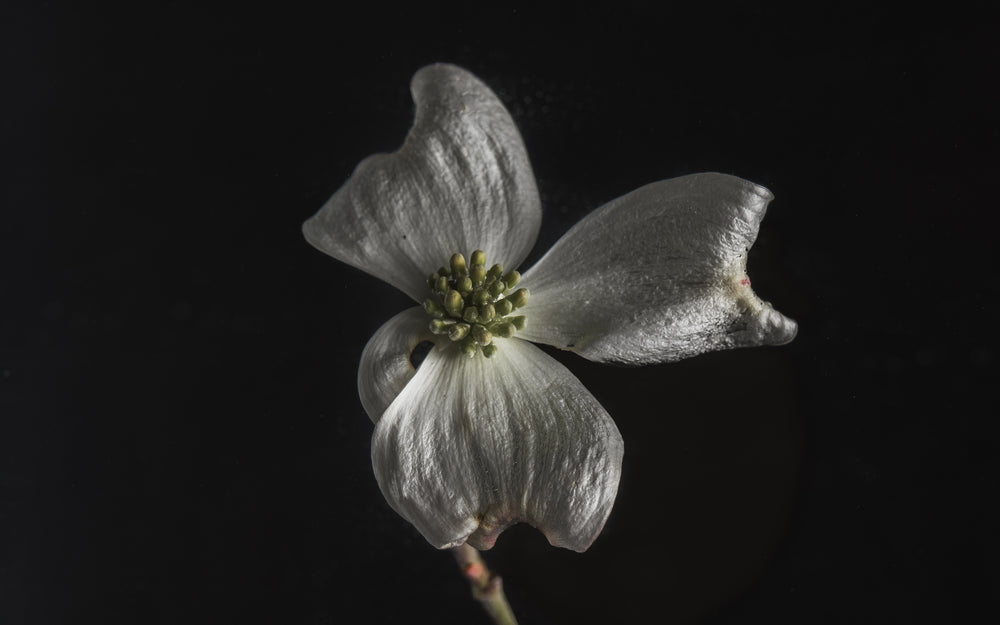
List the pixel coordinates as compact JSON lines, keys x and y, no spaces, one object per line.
{"x":470,"y":304}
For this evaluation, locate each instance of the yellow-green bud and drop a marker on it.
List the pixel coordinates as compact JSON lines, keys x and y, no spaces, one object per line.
{"x":469,"y":346}
{"x":511,"y":279}
{"x":454,"y":303}
{"x":482,"y":335}
{"x":434,"y":309}
{"x":518,"y":298}
{"x":480,"y":297}
{"x":497,"y":288}
{"x":458,"y":331}
{"x":478,"y":275}
{"x":457,"y":265}
{"x":487,"y":313}
{"x":440,"y":326}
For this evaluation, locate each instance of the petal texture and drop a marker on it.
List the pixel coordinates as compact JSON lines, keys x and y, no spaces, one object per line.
{"x":385,"y":363}
{"x":473,"y":445}
{"x":657,"y":275}
{"x":461,"y":182}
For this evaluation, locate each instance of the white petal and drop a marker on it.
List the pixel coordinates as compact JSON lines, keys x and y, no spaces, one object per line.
{"x":385,"y":363}
{"x":461,"y":182}
{"x":473,"y":445}
{"x":657,"y":275}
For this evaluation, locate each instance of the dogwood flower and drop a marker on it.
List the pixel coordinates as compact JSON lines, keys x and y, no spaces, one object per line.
{"x":489,"y":430}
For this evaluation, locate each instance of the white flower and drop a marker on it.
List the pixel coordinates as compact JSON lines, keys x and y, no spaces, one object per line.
{"x":465,"y":446}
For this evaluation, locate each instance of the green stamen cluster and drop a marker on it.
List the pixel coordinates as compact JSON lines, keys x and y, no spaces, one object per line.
{"x":473,"y":303}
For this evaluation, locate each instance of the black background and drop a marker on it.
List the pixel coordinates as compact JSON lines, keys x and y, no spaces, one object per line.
{"x":180,"y":435}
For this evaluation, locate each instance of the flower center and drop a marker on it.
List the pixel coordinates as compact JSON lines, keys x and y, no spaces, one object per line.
{"x":472,"y":304}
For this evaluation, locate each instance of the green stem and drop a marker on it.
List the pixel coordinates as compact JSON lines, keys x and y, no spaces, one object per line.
{"x":487,"y":588}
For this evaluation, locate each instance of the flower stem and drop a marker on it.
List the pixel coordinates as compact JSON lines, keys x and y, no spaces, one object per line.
{"x":487,"y":588}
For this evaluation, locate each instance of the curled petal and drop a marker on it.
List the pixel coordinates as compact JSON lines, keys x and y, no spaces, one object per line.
{"x":657,"y":275}
{"x":473,"y":445}
{"x":461,"y":182}
{"x":385,"y":363}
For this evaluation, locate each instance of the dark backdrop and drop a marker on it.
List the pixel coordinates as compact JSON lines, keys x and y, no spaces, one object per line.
{"x":181,"y":439}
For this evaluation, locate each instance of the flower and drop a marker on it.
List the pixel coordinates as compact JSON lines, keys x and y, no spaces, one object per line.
{"x":465,"y":446}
